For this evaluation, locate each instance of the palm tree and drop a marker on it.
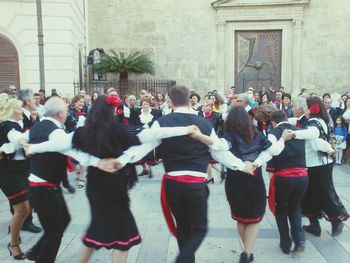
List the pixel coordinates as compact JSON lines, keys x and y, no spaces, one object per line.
{"x":120,"y":63}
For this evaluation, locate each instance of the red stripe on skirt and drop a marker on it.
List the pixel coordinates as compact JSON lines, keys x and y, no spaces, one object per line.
{"x":187,"y":179}
{"x":247,"y":220}
{"x":18,"y":194}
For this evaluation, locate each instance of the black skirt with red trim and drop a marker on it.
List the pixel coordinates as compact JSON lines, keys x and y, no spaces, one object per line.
{"x":112,"y":224}
{"x":14,"y":180}
{"x":246,"y":195}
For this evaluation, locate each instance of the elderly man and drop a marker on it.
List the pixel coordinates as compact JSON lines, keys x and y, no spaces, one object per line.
{"x":47,"y":170}
{"x":27,"y":98}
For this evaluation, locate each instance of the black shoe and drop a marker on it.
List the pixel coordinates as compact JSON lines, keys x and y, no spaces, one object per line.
{"x":299,"y":248}
{"x":251,"y":258}
{"x":31,"y":228}
{"x":20,"y":256}
{"x":313,"y":229}
{"x":30,"y":255}
{"x":243,"y":258}
{"x":70,"y":189}
{"x":144,"y":172}
{"x":211,"y":180}
{"x":337,"y":228}
{"x":285,"y":246}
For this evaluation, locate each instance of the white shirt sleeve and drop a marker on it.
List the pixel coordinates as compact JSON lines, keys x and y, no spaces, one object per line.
{"x":219,"y":144}
{"x":136,"y":153}
{"x":60,"y":141}
{"x":307,"y":134}
{"x":220,"y":152}
{"x":275,"y":149}
{"x":321,"y":145}
{"x":156,"y":133}
{"x":14,"y":136}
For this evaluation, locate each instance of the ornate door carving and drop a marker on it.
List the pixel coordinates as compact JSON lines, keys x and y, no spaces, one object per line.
{"x":258,"y":59}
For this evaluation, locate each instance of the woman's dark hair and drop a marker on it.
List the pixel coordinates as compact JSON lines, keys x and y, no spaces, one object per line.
{"x":323,"y":114}
{"x":92,"y":96}
{"x":302,"y":91}
{"x":326,"y":95}
{"x":97,"y":133}
{"x":195,"y":94}
{"x":287,"y":95}
{"x":343,"y":122}
{"x":238,"y":123}
{"x":163,"y":97}
{"x":268,"y":96}
{"x":218,"y":100}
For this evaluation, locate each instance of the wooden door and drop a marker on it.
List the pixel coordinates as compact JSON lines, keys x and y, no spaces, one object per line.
{"x":258,"y":56}
{"x":9,"y":65}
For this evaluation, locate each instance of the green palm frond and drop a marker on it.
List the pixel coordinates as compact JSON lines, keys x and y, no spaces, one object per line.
{"x":136,"y":62}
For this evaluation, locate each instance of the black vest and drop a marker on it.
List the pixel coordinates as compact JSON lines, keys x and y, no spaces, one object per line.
{"x":182,"y":152}
{"x":293,"y":155}
{"x":49,"y":166}
{"x":5,"y":128}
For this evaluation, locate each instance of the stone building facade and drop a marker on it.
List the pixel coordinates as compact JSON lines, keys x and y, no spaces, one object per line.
{"x":209,"y":45}
{"x":202,"y":44}
{"x":64,"y":43}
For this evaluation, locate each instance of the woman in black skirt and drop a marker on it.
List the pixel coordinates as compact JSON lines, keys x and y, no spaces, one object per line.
{"x":246,"y":194}
{"x":112,"y":224}
{"x":143,"y":118}
{"x":13,"y":169}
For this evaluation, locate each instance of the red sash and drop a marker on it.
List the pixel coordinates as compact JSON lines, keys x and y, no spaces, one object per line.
{"x":288,"y":172}
{"x":46,"y":184}
{"x":187,"y":179}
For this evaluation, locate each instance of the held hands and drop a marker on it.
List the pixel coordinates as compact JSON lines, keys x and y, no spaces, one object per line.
{"x":25,"y":148}
{"x":249,"y":167}
{"x":109,"y":165}
{"x":288,"y":135}
{"x":332,"y":153}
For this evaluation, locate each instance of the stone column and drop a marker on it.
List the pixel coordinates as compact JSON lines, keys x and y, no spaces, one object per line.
{"x":220,"y":56}
{"x":296,"y":61}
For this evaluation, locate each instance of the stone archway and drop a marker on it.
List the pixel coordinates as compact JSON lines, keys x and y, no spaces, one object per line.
{"x":9,"y":64}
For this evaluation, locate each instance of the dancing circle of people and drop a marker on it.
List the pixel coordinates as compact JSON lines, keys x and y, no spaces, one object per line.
{"x":42,"y":139}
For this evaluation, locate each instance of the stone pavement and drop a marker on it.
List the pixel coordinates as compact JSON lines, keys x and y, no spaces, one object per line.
{"x":222,"y":244}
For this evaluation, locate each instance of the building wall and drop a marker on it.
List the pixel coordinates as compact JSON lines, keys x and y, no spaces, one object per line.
{"x":326,"y":41}
{"x":180,"y":36}
{"x":64,"y":34}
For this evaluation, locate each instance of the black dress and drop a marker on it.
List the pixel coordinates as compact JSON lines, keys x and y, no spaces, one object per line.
{"x":13,"y":173}
{"x":112,"y":223}
{"x":245,"y":193}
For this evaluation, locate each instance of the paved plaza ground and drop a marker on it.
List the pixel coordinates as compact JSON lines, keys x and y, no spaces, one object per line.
{"x":221,"y":245}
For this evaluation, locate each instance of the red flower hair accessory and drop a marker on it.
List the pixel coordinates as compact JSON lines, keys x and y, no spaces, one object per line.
{"x":113,"y":100}
{"x":315,"y":109}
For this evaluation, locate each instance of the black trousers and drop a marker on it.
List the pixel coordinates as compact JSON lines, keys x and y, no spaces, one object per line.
{"x":289,"y":194}
{"x":320,"y":197}
{"x":188,"y":204}
{"x":49,"y":204}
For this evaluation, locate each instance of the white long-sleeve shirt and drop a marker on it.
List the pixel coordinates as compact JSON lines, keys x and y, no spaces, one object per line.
{"x":314,"y":144}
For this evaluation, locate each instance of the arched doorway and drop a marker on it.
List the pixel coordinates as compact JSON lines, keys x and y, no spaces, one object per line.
{"x":9,"y":65}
